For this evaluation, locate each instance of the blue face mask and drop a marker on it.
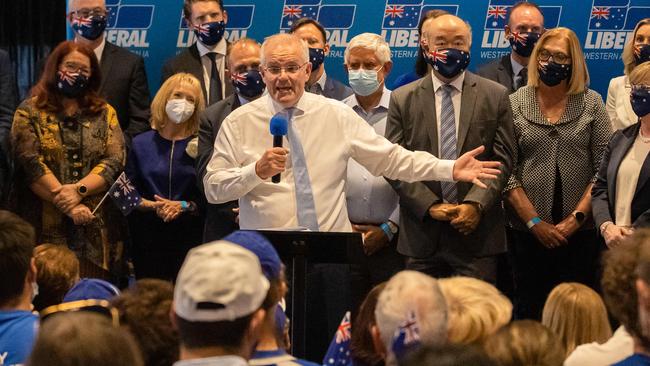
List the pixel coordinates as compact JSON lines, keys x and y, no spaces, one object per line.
{"x":210,"y":33}
{"x":640,"y":100}
{"x":71,"y":84}
{"x":523,"y":43}
{"x":551,"y":73}
{"x":248,"y":84}
{"x":89,"y":28}
{"x":449,"y":62}
{"x":641,"y":53}
{"x":363,"y":82}
{"x":316,"y":57}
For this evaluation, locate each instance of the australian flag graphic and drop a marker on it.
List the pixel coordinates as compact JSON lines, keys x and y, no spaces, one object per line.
{"x":407,"y":336}
{"x":406,"y":14}
{"x":496,"y":16}
{"x":338,"y":353}
{"x":613,"y":15}
{"x":124,"y":194}
{"x":128,"y":16}
{"x":335,"y":16}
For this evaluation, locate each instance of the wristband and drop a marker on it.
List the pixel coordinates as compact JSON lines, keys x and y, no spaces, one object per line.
{"x":184,"y":205}
{"x":387,"y":231}
{"x":534,"y":221}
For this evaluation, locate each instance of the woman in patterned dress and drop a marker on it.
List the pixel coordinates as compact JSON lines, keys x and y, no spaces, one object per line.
{"x":562,"y":129}
{"x":68,"y":148}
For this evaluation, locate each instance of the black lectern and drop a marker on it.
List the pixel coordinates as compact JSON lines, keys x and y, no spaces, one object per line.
{"x":297,"y":248}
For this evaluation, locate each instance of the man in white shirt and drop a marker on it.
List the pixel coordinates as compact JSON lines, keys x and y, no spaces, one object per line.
{"x":206,"y":58}
{"x":373,"y":205}
{"x":326,"y":134}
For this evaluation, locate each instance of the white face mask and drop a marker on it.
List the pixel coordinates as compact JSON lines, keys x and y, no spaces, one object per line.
{"x":179,"y":110}
{"x":34,"y":290}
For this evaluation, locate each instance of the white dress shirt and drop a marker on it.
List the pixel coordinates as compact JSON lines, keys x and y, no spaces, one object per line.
{"x":618,"y":104}
{"x":456,"y":96}
{"x":616,"y":349}
{"x":370,"y":199}
{"x":99,"y":50}
{"x":221,"y":50}
{"x":331,"y":133}
{"x":627,"y":179}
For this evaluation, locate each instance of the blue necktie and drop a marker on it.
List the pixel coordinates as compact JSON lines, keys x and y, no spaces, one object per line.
{"x":448,"y":139}
{"x":305,"y":206}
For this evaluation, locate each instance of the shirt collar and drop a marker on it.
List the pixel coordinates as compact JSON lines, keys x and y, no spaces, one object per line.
{"x":220,"y":48}
{"x":301,"y":106}
{"x":322,"y":80}
{"x":213,"y":361}
{"x":456,"y":83}
{"x":516,"y":66}
{"x":353,"y":103}
{"x":99,"y":51}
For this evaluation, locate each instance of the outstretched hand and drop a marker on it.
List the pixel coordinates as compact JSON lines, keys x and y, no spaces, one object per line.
{"x":468,"y":169}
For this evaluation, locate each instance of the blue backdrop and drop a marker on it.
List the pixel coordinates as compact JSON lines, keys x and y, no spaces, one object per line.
{"x":155,"y":30}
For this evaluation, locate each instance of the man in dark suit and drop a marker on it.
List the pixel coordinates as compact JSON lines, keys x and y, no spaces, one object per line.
{"x":124,"y":80}
{"x":8,"y":102}
{"x":446,"y":228}
{"x":314,"y":34}
{"x":206,"y":58}
{"x":244,"y":62}
{"x":525,"y":26}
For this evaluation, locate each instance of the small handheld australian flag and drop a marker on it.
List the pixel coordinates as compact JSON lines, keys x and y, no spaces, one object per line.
{"x":407,"y":336}
{"x":338,"y":353}
{"x":124,"y":194}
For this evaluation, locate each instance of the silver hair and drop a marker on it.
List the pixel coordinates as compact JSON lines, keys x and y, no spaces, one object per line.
{"x":411,"y":291}
{"x":286,"y":38}
{"x":370,"y":41}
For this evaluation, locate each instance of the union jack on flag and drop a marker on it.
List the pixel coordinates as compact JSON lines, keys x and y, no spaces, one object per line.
{"x":338,"y":353}
{"x":600,"y":12}
{"x":520,"y":38}
{"x":497,"y":12}
{"x":240,"y":78}
{"x":204,"y":30}
{"x":124,"y":194}
{"x":613,"y":15}
{"x":407,"y":336}
{"x":84,"y":22}
{"x":394,"y":11}
{"x":293,"y":10}
{"x":68,"y":77}
{"x":438,"y":55}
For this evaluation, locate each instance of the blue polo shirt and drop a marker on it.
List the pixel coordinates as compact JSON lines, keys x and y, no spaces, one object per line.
{"x":636,"y":359}
{"x":18,"y":330}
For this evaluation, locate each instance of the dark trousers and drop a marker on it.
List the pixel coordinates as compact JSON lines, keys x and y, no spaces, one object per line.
{"x":537,"y":269}
{"x":446,"y":264}
{"x":369,"y":271}
{"x":220,"y":221}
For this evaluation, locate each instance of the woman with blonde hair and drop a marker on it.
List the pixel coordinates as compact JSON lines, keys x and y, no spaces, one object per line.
{"x":635,"y":52}
{"x":621,"y":193}
{"x":475,"y":309}
{"x":577,"y":315}
{"x":169,"y":220}
{"x":524,"y":343}
{"x":561,"y":130}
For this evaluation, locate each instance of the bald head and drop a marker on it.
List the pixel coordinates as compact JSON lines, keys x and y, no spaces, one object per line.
{"x":244,"y":54}
{"x":285,"y":41}
{"x":74,"y":5}
{"x":447,"y":31}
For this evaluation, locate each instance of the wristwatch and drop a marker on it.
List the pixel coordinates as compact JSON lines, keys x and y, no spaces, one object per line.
{"x":393,"y":228}
{"x":82,"y":190}
{"x":579,"y":215}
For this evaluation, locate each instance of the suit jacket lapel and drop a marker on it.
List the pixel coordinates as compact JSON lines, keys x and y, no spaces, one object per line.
{"x":426,"y":99}
{"x":615,"y":160}
{"x":195,"y":67}
{"x":106,"y":64}
{"x":467,"y":106}
{"x":505,"y":72}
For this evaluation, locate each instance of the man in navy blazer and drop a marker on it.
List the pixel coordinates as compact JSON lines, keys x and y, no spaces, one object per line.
{"x":206,"y":58}
{"x":319,"y":82}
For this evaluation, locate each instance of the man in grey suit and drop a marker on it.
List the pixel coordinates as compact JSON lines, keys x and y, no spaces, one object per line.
{"x":525,"y":26}
{"x":244,"y":62}
{"x":446,"y":228}
{"x":319,"y":82}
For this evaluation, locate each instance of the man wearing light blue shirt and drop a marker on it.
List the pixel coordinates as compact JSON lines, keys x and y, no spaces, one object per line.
{"x":373,"y":205}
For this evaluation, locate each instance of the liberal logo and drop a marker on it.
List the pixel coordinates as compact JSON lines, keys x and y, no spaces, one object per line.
{"x":335,"y":18}
{"x":496,"y":18}
{"x":240,"y":19}
{"x":611,"y":22}
{"x":401,"y":19}
{"x":128,"y":24}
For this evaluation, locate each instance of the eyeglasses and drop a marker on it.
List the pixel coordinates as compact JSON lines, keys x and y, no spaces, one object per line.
{"x":102,"y":307}
{"x":86,"y":13}
{"x":289,"y":69}
{"x":558,"y":57}
{"x":73,"y":67}
{"x":361,"y":67}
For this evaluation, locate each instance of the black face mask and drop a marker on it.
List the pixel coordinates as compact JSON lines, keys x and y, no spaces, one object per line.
{"x":551,"y":73}
{"x":641,"y":53}
{"x":523,"y":43}
{"x":449,"y":62}
{"x":89,"y":28}
{"x":71,"y":84}
{"x":640,"y":100}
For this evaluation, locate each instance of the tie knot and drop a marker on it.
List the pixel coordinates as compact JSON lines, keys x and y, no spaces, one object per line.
{"x":212,"y":56}
{"x":447,"y":88}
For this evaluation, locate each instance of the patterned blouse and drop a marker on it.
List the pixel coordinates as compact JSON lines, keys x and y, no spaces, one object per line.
{"x":573,"y":147}
{"x":70,"y":148}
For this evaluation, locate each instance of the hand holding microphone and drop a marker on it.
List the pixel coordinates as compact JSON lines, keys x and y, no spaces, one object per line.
{"x":273,"y":161}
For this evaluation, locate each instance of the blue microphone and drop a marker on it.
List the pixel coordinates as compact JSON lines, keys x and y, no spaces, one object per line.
{"x":279,"y":126}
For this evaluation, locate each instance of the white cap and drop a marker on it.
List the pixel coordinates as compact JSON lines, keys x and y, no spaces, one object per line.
{"x":219,"y":281}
